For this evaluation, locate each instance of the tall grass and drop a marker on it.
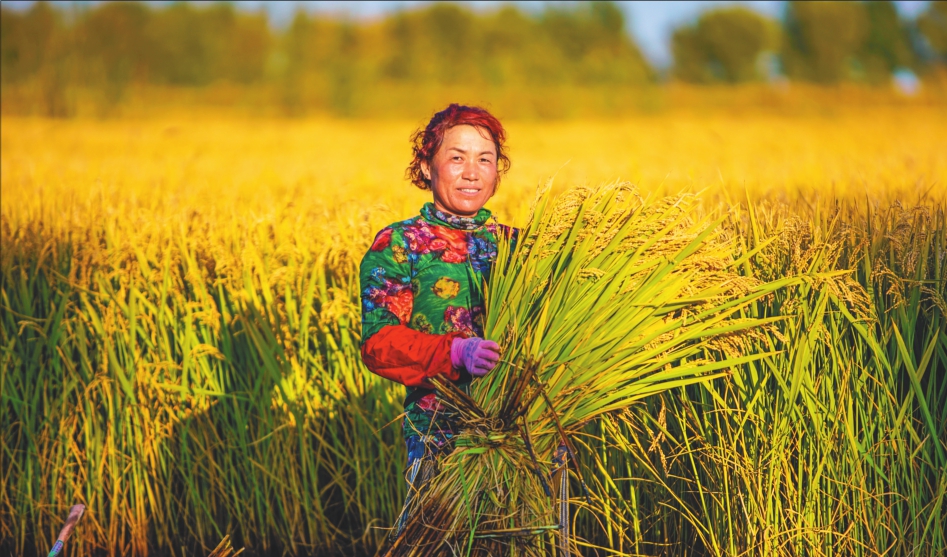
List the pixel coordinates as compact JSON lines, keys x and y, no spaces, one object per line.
{"x":190,"y":371}
{"x":835,"y":446}
{"x":180,"y":403}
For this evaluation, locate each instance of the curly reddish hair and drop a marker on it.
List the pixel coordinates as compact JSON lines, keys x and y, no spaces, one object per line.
{"x":427,"y":141}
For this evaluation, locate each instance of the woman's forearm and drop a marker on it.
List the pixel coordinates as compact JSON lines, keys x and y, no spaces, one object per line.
{"x":409,"y":357}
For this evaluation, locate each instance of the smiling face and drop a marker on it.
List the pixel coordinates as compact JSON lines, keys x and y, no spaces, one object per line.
{"x":463,"y":172}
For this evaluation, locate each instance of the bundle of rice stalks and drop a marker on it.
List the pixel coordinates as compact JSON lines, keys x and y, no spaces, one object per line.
{"x":225,"y":549}
{"x":606,"y":298}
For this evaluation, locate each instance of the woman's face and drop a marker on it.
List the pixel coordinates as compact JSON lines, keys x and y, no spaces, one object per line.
{"x":463,"y":172}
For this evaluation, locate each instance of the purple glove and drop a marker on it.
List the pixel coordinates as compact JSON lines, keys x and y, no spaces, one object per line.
{"x":476,"y":355}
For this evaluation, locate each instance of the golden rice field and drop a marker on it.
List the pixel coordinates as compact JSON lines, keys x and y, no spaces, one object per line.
{"x":179,"y":326}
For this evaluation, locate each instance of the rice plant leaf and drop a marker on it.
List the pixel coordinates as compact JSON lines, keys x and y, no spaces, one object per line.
{"x":913,"y":375}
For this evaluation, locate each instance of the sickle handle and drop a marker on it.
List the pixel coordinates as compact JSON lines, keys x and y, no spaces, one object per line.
{"x":75,"y":513}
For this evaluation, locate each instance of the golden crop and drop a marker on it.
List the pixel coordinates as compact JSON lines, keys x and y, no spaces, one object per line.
{"x":163,"y":172}
{"x":179,"y":325}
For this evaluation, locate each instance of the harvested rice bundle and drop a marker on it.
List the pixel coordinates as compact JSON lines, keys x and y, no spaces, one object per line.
{"x":606,"y":298}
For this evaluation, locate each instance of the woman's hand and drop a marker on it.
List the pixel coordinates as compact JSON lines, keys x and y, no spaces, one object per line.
{"x":476,"y":355}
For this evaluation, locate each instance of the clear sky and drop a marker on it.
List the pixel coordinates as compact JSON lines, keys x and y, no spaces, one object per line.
{"x":650,"y":23}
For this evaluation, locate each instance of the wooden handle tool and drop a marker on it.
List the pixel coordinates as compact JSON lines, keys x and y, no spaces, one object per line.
{"x":75,"y":513}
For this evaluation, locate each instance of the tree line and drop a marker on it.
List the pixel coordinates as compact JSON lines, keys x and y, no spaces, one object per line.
{"x":822,"y":42}
{"x":110,"y":46}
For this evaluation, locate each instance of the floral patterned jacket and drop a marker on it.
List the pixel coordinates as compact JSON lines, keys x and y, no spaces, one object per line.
{"x":421,"y":287}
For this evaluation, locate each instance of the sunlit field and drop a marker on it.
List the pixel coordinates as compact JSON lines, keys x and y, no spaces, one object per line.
{"x":168,"y":168}
{"x":180,"y":328}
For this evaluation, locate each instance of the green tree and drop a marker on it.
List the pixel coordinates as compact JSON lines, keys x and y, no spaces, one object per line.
{"x":400,"y":61}
{"x":452,"y":31}
{"x":114,"y":47}
{"x":184,"y":46}
{"x":690,"y":56}
{"x":26,"y":40}
{"x":591,"y":41}
{"x":887,"y":46}
{"x":38,"y":47}
{"x":325,"y":60}
{"x":440,"y":43}
{"x":451,"y":44}
{"x":724,"y":45}
{"x":319,"y":60}
{"x":933,"y":26}
{"x":198,"y":45}
{"x":295,"y":53}
{"x":344,"y":70}
{"x":823,"y":40}
{"x":508,"y":38}
{"x":249,"y":43}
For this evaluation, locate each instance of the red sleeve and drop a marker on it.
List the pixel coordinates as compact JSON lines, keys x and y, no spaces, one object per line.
{"x":409,"y":357}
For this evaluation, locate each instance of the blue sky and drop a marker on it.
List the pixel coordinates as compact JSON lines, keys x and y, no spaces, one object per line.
{"x":651,"y":23}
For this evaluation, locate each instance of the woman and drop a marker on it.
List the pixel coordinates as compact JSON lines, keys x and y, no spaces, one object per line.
{"x":421,"y":280}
